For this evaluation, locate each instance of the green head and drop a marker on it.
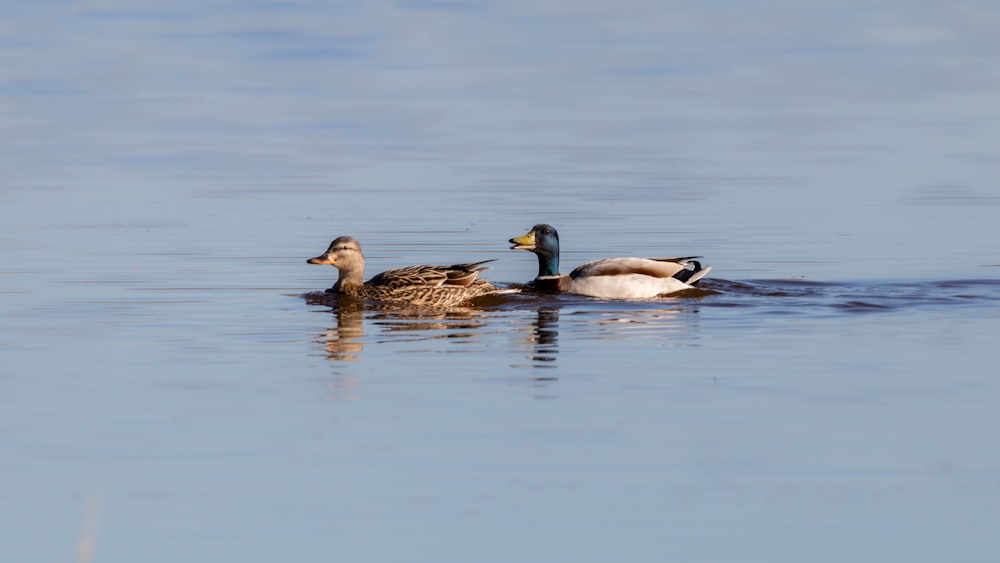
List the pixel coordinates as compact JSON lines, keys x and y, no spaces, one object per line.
{"x":543,"y":240}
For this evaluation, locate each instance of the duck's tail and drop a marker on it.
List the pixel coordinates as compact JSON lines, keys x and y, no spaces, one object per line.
{"x":692,"y":275}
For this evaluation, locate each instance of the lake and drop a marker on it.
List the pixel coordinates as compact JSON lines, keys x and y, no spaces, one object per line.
{"x":176,"y":386}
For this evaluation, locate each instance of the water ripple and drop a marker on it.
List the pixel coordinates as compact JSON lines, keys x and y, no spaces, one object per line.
{"x":803,"y":296}
{"x":539,"y":324}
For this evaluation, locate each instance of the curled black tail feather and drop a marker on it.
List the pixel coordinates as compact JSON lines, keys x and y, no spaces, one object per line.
{"x":685,"y":274}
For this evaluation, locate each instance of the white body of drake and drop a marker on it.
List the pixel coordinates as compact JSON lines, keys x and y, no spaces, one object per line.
{"x":631,"y":278}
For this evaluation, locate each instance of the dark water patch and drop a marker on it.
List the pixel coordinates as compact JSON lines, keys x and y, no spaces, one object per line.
{"x":809,"y":297}
{"x":860,"y":306}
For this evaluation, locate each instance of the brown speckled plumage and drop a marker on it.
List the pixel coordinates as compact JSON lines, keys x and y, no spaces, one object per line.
{"x":422,"y":286}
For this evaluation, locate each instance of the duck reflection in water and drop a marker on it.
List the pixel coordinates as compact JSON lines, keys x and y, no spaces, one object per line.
{"x":545,"y":338}
{"x":407,"y":325}
{"x":345,"y":341}
{"x":395,"y":324}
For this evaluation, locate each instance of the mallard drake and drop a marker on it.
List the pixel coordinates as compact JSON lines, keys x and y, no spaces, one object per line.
{"x":610,"y":278}
{"x":434,"y":286}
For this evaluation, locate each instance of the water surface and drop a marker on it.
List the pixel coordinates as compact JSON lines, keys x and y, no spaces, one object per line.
{"x":175,"y":386}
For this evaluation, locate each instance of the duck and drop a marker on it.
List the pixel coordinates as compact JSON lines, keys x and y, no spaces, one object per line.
{"x":421,"y":286}
{"x":610,"y":278}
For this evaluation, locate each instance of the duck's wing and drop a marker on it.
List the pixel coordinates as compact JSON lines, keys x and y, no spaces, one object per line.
{"x":443,"y":295}
{"x":459,"y":275}
{"x":653,"y":267}
{"x":410,"y":276}
{"x":465,"y":274}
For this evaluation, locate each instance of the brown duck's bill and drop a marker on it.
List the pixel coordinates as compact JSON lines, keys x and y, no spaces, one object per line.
{"x":324,"y":259}
{"x":527,"y":242}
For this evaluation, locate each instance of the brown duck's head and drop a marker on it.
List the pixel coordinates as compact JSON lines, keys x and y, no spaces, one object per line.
{"x":344,"y":254}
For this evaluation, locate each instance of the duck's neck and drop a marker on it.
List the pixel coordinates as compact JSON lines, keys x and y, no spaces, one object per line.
{"x":551,"y":284}
{"x":349,"y":278}
{"x":547,"y":265}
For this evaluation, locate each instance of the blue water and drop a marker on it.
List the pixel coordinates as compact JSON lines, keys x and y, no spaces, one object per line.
{"x":173,"y":386}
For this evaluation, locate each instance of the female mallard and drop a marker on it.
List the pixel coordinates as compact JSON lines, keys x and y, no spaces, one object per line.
{"x":434,"y":286}
{"x":611,"y":278}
